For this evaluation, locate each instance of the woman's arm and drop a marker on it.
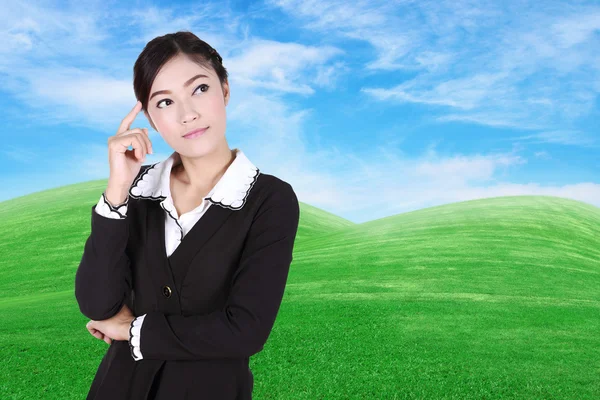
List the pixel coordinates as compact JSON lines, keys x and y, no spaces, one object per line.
{"x":103,"y":278}
{"x":241,"y":329}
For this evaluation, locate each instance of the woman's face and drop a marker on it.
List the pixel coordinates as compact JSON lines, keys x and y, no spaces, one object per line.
{"x":200,"y":104}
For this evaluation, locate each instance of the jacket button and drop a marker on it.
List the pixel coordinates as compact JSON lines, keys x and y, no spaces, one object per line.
{"x":167,"y":291}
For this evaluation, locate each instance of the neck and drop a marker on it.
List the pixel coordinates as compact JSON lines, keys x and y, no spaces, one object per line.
{"x":205,"y":171}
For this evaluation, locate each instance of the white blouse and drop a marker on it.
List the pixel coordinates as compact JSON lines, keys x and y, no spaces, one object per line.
{"x":155,"y":184}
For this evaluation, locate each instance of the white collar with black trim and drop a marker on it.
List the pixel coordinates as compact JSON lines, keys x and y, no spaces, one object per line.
{"x":229,"y":192}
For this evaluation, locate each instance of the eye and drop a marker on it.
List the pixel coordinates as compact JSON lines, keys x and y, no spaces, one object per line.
{"x":198,"y":87}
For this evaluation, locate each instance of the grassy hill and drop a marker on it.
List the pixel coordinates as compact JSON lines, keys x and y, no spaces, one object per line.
{"x":493,"y":298}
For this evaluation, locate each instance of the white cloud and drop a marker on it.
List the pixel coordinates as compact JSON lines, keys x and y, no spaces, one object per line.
{"x":381,"y":183}
{"x":564,"y":137}
{"x":282,"y":66}
{"x":477,"y":61}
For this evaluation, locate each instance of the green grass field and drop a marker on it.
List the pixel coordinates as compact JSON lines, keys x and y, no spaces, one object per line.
{"x":487,"y":299}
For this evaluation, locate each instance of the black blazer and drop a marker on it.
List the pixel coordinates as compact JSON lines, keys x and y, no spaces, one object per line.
{"x":227,"y":278}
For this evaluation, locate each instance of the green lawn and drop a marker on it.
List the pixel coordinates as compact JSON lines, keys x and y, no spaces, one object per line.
{"x":487,"y":299}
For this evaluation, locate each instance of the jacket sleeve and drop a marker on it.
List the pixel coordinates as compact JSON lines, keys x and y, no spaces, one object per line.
{"x":103,"y":278}
{"x":244,"y":324}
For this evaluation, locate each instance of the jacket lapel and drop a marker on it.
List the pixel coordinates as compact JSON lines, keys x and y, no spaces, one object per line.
{"x":175,"y":267}
{"x":157,"y":264}
{"x":193,"y":243}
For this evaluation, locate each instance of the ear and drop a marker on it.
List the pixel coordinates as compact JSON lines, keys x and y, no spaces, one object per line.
{"x":226,"y":92}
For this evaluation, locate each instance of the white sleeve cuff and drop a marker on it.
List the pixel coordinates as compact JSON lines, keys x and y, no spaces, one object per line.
{"x":135,"y":329}
{"x":107,"y":210}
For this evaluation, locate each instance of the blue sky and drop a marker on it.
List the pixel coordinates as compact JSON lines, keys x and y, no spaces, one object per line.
{"x":368,"y":109}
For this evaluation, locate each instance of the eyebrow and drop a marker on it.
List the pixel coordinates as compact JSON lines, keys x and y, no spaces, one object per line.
{"x":186,"y":84}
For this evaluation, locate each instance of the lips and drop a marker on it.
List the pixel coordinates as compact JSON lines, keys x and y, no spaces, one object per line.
{"x":195,"y":132}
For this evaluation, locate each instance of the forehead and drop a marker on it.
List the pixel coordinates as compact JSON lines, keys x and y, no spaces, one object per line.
{"x":179,"y":69}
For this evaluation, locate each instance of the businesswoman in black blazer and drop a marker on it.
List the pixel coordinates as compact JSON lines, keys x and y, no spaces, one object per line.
{"x":185,"y":267}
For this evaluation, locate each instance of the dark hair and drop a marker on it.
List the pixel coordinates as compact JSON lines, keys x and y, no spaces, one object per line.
{"x":161,"y":49}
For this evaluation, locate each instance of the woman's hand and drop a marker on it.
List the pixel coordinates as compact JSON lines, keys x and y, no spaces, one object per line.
{"x":125,"y":164}
{"x":114,"y":328}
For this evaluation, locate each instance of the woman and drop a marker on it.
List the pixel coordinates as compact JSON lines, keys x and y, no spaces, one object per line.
{"x":187,"y":260}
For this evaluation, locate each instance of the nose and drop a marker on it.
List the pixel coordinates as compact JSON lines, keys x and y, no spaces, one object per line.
{"x":189,"y":115}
